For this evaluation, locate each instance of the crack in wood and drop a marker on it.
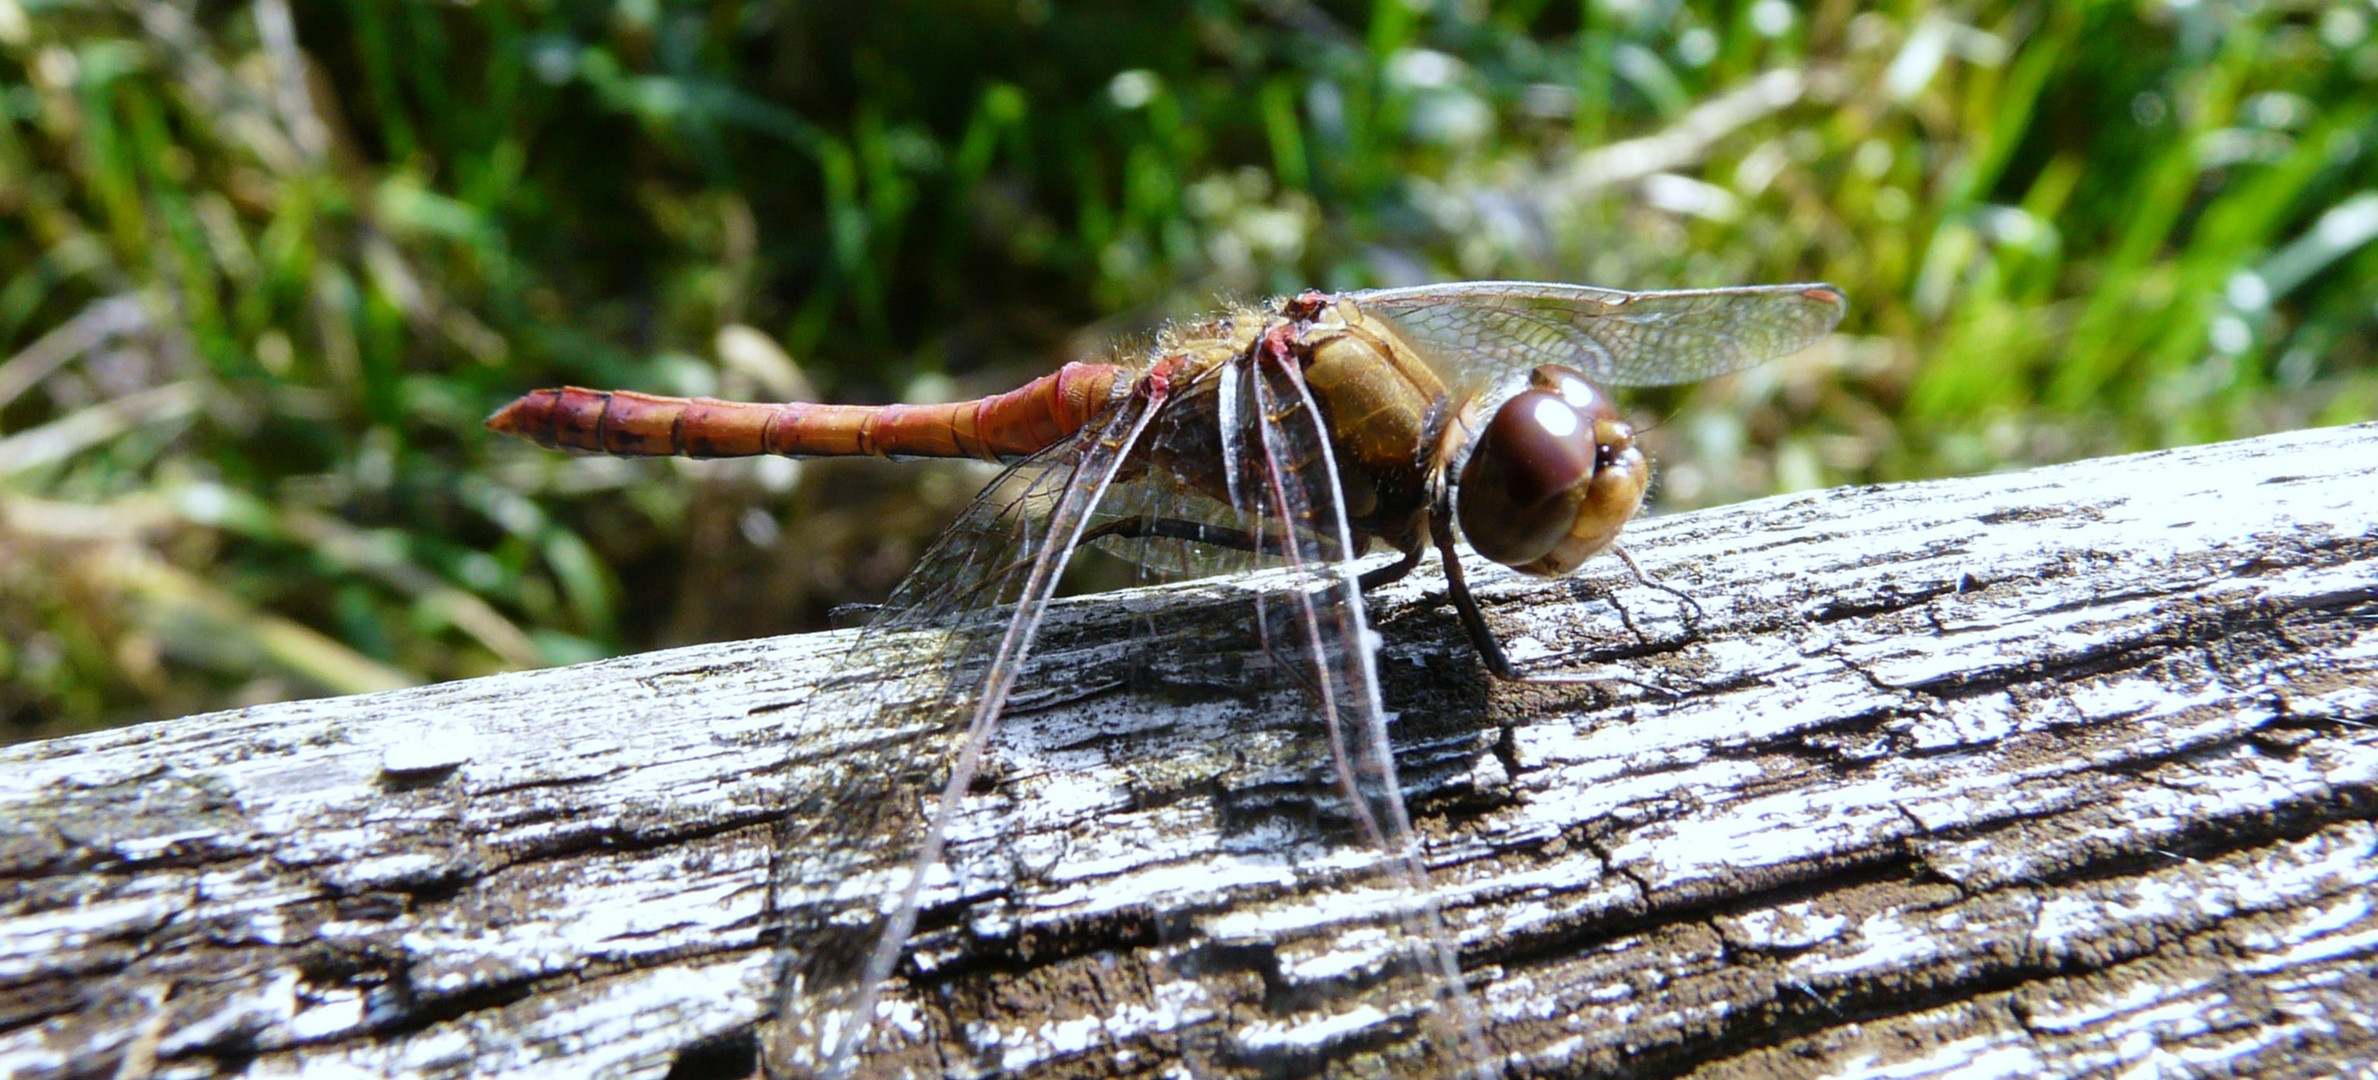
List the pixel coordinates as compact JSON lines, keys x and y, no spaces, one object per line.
{"x":2024,"y":769}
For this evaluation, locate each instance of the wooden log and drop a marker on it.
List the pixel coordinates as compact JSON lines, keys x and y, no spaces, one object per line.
{"x":2070,"y":770}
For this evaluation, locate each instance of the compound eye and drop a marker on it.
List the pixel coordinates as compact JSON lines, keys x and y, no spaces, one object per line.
{"x":1553,"y":477}
{"x":1524,"y":479}
{"x":1574,"y":388}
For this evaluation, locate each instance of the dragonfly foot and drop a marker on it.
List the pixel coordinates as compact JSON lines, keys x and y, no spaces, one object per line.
{"x":1692,"y":621}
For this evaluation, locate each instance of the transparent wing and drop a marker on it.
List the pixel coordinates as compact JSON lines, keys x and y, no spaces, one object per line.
{"x":1314,"y":625}
{"x":1183,"y":535}
{"x":1489,"y":333}
{"x":908,"y":713}
{"x":1183,"y":532}
{"x":865,"y":831}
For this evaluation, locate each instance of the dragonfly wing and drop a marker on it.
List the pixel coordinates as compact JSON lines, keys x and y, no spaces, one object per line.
{"x":971,"y":612}
{"x":866,"y":825}
{"x":1489,"y":334}
{"x":1200,"y":534}
{"x":1315,"y":626}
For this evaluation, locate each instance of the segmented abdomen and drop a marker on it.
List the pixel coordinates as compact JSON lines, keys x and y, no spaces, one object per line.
{"x":1002,"y":427}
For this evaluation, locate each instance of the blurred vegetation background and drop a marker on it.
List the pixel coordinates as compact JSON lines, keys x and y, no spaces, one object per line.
{"x":265,"y":267}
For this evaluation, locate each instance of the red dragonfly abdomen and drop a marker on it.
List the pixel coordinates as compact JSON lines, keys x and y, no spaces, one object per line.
{"x":1002,"y":427}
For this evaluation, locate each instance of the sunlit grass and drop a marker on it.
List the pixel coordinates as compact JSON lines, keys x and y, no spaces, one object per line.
{"x":262,"y":274}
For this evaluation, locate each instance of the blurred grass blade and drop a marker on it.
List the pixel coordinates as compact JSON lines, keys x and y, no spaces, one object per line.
{"x":1685,"y":142}
{"x":92,"y":327}
{"x":200,"y":622}
{"x":2344,"y":228}
{"x":349,"y":548}
{"x":94,"y":425}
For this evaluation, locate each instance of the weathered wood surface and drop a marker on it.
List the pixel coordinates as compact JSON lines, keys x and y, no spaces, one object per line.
{"x":2060,"y":772}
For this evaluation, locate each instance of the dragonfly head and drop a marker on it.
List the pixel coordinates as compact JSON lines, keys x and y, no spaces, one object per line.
{"x":1553,"y":477}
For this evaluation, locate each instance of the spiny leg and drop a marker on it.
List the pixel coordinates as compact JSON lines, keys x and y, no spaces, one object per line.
{"x":1392,"y":572}
{"x":1692,"y":622}
{"x":1490,"y":650}
{"x":1143,"y":527}
{"x":1457,"y":585}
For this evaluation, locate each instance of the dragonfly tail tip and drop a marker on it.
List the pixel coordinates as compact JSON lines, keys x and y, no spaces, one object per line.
{"x":508,"y":419}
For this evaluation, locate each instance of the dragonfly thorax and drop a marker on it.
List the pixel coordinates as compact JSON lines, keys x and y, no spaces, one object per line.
{"x":1553,"y":477}
{"x":1377,"y":395}
{"x":1382,"y":396}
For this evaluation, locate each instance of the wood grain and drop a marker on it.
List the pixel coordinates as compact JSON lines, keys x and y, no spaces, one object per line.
{"x":2067,"y":771}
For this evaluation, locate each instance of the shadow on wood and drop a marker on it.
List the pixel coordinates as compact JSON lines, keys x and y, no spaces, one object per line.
{"x":2060,"y":771}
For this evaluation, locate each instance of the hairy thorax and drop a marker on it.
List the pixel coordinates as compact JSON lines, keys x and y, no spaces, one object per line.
{"x":1378,"y":400}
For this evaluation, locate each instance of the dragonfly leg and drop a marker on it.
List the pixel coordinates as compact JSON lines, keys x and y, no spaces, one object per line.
{"x":1142,"y":527}
{"x":1692,"y":621}
{"x":1392,"y":572}
{"x":1482,"y":637}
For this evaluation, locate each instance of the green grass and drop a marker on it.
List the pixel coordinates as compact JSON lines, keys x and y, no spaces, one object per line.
{"x":261,"y":276}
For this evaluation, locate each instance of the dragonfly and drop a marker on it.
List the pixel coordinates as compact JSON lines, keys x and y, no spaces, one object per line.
{"x":1294,"y":434}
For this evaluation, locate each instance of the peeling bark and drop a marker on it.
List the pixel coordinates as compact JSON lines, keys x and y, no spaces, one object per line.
{"x":2058,"y":772}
